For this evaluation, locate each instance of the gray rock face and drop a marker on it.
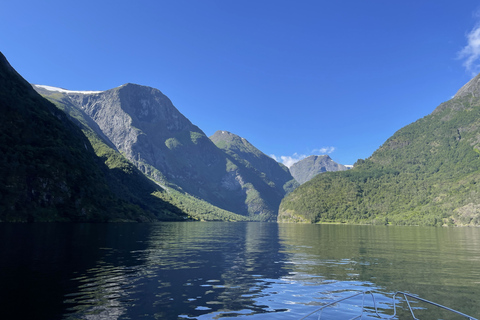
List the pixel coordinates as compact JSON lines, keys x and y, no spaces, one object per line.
{"x":471,"y":87}
{"x":143,"y":124}
{"x":467,"y":95}
{"x":138,"y":120}
{"x":305,"y":169}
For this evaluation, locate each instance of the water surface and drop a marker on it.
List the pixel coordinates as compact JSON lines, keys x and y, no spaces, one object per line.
{"x":220,"y":270}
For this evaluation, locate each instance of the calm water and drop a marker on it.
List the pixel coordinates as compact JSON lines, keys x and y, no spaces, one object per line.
{"x":220,"y":270}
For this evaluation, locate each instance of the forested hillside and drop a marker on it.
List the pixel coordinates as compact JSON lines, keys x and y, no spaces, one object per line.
{"x":427,"y":173}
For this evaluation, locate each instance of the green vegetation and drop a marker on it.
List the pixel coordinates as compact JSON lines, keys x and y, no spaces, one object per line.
{"x":197,"y":209}
{"x":196,"y":136}
{"x":173,"y":143}
{"x":427,"y":173}
{"x":231,"y":166}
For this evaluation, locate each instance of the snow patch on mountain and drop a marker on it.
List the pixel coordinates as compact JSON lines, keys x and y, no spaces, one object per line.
{"x":50,"y":88}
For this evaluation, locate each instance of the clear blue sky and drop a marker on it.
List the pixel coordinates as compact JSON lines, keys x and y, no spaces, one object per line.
{"x":294,"y":78}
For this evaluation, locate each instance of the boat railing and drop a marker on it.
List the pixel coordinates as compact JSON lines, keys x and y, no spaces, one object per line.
{"x":318,"y":312}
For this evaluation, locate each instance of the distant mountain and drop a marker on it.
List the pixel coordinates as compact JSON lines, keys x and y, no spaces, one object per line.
{"x":49,"y":170}
{"x":427,"y":173}
{"x":142,"y":124}
{"x":305,"y":169}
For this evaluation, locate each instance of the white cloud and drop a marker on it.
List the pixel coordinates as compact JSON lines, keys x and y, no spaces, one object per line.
{"x":290,"y":160}
{"x":324,"y":150}
{"x":471,"y":52}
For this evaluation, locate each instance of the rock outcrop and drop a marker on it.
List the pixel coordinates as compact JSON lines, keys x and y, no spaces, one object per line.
{"x":305,"y":169}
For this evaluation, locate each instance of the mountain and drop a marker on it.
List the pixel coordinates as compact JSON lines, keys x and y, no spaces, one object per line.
{"x":242,"y":150}
{"x":265,"y":180}
{"x":49,"y":170}
{"x":144,"y":126}
{"x":125,"y":179}
{"x":305,"y":169}
{"x":427,"y":173}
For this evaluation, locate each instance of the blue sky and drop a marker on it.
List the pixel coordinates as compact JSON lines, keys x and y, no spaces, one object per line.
{"x":294,"y":78}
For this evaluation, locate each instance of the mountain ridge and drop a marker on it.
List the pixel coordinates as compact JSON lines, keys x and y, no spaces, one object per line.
{"x":470,"y":88}
{"x":427,"y":173}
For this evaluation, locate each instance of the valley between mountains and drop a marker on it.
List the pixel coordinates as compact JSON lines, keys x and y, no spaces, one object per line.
{"x":128,"y":154}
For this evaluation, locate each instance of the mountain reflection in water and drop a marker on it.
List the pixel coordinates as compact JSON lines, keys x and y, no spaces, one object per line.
{"x":218,"y":270}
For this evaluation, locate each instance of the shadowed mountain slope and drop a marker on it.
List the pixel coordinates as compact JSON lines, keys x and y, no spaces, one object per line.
{"x":48,"y":168}
{"x":265,"y":180}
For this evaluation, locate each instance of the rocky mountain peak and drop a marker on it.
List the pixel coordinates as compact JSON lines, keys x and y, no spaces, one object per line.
{"x":231,"y":140}
{"x":150,"y":105}
{"x":305,"y":169}
{"x":472,"y":87}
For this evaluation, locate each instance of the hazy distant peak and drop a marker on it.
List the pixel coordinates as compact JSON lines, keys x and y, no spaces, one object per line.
{"x":318,"y":157}
{"x":50,"y":88}
{"x":305,"y":169}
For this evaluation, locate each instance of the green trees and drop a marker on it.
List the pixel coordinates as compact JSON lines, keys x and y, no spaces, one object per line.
{"x":427,"y":173}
